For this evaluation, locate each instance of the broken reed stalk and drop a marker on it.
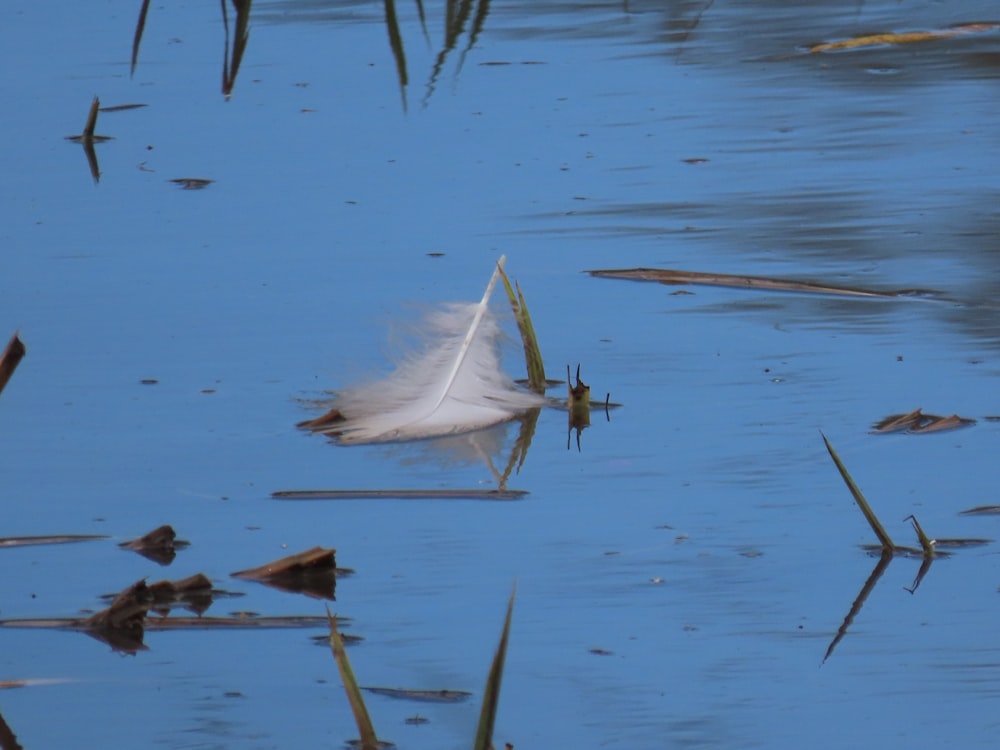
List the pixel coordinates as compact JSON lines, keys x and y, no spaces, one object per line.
{"x":491,"y":693}
{"x":10,"y":359}
{"x":532,"y":353}
{"x":859,"y":498}
{"x":88,"y":129}
{"x":369,"y":741}
{"x":926,"y":543}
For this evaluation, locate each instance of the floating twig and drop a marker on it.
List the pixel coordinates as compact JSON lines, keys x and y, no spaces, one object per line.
{"x":400,"y":494}
{"x":26,"y":541}
{"x":423,"y":696}
{"x":674,"y":277}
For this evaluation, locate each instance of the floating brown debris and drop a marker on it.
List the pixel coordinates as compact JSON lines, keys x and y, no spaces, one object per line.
{"x":317,"y":558}
{"x":765,"y":283}
{"x":236,"y":622}
{"x":918,"y":423}
{"x":441,"y":494}
{"x":27,"y":541}
{"x":10,"y":359}
{"x":159,"y":545}
{"x":122,"y":107}
{"x":908,"y":37}
{"x":425,"y":696}
{"x":121,"y":624}
{"x":982,"y":510}
{"x":194,"y":593}
{"x":312,"y":572}
{"x":192,"y":183}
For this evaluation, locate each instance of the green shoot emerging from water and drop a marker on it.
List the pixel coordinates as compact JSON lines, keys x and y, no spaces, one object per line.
{"x":367,"y":731}
{"x":532,"y":354}
{"x":491,"y":694}
{"x":859,"y":498}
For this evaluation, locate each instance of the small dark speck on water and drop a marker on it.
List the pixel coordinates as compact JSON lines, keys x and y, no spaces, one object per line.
{"x":149,"y":381}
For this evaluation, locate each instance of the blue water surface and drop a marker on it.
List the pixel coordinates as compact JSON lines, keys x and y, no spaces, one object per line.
{"x":680,"y":574}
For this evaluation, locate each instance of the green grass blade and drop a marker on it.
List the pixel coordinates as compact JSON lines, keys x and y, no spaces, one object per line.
{"x":532,"y":353}
{"x":365,"y":727}
{"x":491,"y":694}
{"x":859,"y":498}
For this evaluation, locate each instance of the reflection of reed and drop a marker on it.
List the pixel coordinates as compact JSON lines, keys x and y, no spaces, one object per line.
{"x":457,"y":15}
{"x":140,"y":26}
{"x":231,"y":65}
{"x":396,"y":43}
{"x":884,"y":559}
{"x":230,"y":61}
{"x":880,"y":567}
{"x":8,"y":740}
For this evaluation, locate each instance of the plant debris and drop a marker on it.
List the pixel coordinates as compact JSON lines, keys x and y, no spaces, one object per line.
{"x":424,"y":696}
{"x":982,"y":510}
{"x":909,"y":37}
{"x":313,"y":573}
{"x":369,"y":740}
{"x":918,"y":423}
{"x":194,"y":593}
{"x":403,"y":494}
{"x":192,"y":183}
{"x":26,"y":541}
{"x":121,"y":624}
{"x":160,"y":545}
{"x":765,"y":283}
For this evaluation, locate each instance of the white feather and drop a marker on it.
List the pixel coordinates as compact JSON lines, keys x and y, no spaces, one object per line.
{"x":455,"y":384}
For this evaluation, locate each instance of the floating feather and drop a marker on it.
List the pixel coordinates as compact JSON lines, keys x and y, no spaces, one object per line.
{"x":455,"y":384}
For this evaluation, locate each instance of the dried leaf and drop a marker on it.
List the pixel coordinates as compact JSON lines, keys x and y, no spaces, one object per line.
{"x":317,"y":558}
{"x":159,"y":545}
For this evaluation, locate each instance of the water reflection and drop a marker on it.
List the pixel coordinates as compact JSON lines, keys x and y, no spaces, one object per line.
{"x":8,"y":740}
{"x":885,"y":557}
{"x":231,"y":58}
{"x":241,"y":35}
{"x":88,"y":138}
{"x":459,"y":16}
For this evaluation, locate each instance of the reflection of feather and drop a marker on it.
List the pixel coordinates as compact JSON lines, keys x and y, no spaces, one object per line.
{"x":454,"y":384}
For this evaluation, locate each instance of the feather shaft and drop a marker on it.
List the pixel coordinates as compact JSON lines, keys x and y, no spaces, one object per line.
{"x":471,"y":334}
